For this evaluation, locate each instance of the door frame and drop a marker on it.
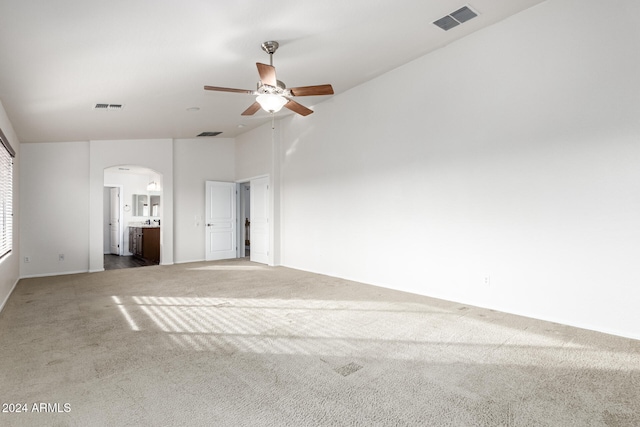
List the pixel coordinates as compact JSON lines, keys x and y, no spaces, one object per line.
{"x":240,"y":235}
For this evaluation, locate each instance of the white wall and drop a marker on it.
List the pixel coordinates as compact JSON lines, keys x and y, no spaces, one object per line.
{"x":63,"y":189}
{"x":10,"y":264}
{"x":69,"y":179}
{"x":197,"y":161}
{"x":54,"y":215}
{"x":512,"y":154}
{"x":253,"y":152}
{"x":106,"y":211}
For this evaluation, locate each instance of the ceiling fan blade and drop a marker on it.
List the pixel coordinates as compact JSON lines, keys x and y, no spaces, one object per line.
{"x":228,"y":89}
{"x":312,"y":90}
{"x":297,"y":108}
{"x":267,"y":74}
{"x":253,"y":108}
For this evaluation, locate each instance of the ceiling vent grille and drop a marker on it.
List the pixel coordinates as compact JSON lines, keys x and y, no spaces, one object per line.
{"x":456,"y":18}
{"x":210,"y":133}
{"x":108,"y":107}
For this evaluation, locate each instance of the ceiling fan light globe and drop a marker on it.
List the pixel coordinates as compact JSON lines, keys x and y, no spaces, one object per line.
{"x":270,"y":102}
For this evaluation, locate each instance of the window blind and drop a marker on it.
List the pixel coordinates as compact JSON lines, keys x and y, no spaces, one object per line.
{"x":6,"y":196}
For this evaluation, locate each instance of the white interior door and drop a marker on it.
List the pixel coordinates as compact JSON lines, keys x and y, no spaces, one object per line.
{"x":114,"y":221}
{"x":259,"y":208}
{"x":220,"y":220}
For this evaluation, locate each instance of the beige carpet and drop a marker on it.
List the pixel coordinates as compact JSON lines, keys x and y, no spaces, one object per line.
{"x":241,"y":344}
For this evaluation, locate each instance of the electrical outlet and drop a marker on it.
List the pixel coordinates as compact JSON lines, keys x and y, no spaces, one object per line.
{"x":60,"y":257}
{"x":487,"y":280}
{"x":27,"y":259}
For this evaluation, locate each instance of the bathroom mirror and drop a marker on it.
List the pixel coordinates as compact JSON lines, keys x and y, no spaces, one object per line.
{"x":140,"y":205}
{"x":154,"y":203}
{"x":145,"y":205}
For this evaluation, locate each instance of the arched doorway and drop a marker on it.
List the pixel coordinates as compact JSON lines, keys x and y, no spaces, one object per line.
{"x":132,"y":216}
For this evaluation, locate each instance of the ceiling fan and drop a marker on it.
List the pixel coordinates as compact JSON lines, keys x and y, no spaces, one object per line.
{"x":272,"y":93}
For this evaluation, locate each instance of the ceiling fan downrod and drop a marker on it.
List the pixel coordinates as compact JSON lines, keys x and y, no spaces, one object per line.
{"x":270,"y":47}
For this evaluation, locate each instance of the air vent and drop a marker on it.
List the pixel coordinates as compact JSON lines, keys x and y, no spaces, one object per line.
{"x":108,"y":107}
{"x":463,"y":15}
{"x":210,"y":133}
{"x":456,"y":18}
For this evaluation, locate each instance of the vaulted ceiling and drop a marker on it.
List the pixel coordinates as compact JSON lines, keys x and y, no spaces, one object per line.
{"x":58,"y":59}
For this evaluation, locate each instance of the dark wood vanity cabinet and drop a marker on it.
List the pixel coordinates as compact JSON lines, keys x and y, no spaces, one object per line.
{"x":144,"y":242}
{"x":151,"y":244}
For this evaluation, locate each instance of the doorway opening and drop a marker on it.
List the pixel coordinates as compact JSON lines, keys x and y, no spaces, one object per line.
{"x":237,"y":220}
{"x":132,"y":217}
{"x":244,"y":219}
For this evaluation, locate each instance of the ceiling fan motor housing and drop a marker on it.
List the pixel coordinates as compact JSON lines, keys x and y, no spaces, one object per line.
{"x":281,"y":89}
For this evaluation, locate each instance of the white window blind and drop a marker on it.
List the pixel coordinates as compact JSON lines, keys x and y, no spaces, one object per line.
{"x":6,"y":196}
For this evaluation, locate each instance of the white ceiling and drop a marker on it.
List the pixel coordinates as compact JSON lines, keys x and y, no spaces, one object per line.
{"x":59,"y":58}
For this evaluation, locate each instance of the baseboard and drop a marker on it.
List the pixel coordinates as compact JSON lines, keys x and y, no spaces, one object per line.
{"x":577,"y":325}
{"x":9,"y":295}
{"x":188,"y":261}
{"x":63,"y":273}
